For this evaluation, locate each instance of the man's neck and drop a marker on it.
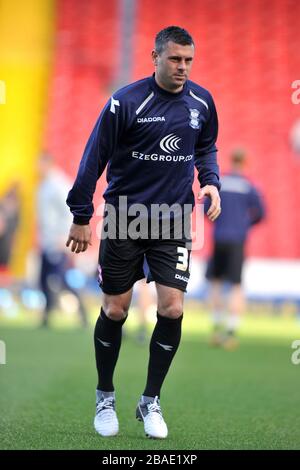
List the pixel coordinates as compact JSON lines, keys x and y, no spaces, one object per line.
{"x":164,"y":87}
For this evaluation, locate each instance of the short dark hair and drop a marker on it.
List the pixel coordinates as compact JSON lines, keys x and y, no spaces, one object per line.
{"x":174,"y":34}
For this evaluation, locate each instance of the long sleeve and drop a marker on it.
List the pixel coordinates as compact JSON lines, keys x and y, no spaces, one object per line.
{"x":98,"y":151}
{"x":206,"y":150}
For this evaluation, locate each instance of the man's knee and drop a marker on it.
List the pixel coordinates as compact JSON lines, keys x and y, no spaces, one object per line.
{"x":171,"y":310}
{"x":116,"y":307}
{"x":115,"y":312}
{"x":170,"y":301}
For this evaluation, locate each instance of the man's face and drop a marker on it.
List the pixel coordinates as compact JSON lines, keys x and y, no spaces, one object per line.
{"x":173,"y":66}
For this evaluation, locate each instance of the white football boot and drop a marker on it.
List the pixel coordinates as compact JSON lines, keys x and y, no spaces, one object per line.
{"x":106,"y":421}
{"x":154,"y":424}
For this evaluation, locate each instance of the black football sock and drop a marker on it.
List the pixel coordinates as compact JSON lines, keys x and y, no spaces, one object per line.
{"x":107,"y":340}
{"x":163,"y":346}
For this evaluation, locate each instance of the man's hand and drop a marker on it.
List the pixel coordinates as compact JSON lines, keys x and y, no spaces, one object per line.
{"x":215,"y":208}
{"x":80,"y":236}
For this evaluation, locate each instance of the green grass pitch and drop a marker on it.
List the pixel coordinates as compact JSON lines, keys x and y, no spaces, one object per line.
{"x":212,"y":399}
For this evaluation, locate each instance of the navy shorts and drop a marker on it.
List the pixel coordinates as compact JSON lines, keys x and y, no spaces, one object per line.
{"x":226,"y":262}
{"x":121,"y":262}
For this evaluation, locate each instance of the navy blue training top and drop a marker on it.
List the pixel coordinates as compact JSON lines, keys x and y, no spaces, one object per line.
{"x":150,"y":140}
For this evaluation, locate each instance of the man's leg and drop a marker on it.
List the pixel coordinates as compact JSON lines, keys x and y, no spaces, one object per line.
{"x":217,"y":307}
{"x":46,"y":270}
{"x":107,"y":340}
{"x":107,"y":337}
{"x":165,"y":338}
{"x":62,"y":269}
{"x":235,"y":305}
{"x":163,"y":346}
{"x":235,"y":311}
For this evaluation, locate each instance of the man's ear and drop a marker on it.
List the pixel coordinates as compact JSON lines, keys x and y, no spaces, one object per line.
{"x":154,"y":57}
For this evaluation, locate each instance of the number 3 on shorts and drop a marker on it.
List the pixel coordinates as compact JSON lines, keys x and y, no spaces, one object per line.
{"x":183,"y":258}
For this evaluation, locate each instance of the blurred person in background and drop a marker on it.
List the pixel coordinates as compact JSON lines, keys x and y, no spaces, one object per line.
{"x":53,"y":221}
{"x":9,"y":221}
{"x":242,"y":207}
